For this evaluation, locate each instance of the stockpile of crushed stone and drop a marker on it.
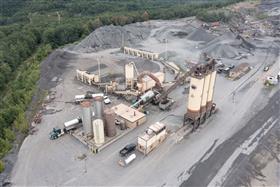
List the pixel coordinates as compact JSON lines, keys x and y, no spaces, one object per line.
{"x":201,"y":35}
{"x":227,"y":46}
{"x":222,"y":51}
{"x":113,"y":37}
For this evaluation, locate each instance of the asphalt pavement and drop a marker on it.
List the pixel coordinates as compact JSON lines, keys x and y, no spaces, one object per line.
{"x":209,"y":172}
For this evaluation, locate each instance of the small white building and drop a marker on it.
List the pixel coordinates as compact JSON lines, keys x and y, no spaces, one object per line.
{"x":151,"y":138}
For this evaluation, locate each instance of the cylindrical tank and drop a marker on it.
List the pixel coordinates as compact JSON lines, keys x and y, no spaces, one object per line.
{"x":110,"y":127}
{"x":69,"y":125}
{"x":205,"y":93}
{"x":98,"y":130}
{"x":148,"y":95}
{"x":87,"y":118}
{"x":130,"y":158}
{"x":129,"y":74}
{"x":211,"y":90}
{"x":195,"y":97}
{"x":98,"y":102}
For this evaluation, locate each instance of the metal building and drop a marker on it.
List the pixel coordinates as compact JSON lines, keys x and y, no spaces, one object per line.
{"x":98,"y":129}
{"x":110,"y":127}
{"x":87,"y":118}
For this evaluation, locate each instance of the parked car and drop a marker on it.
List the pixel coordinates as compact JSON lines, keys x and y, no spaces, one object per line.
{"x":127,"y":150}
{"x":231,"y":66}
{"x":106,"y":100}
{"x":266,"y":68}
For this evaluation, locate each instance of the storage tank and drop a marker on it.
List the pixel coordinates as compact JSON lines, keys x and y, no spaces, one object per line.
{"x":72,"y":124}
{"x":211,"y":90}
{"x":87,"y":118}
{"x":98,"y":130}
{"x":205,"y":93}
{"x":195,"y":97}
{"x":110,"y":127}
{"x":122,"y":125}
{"x":148,"y":95}
{"x":124,"y":162}
{"x":98,"y":109}
{"x":129,"y":74}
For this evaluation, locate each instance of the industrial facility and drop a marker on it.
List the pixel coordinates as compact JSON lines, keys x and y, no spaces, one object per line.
{"x":99,"y":125}
{"x":158,"y":101}
{"x":200,"y":101}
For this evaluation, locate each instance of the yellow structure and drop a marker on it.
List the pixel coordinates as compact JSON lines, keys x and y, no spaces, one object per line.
{"x":130,"y":116}
{"x":87,"y":77}
{"x":151,"y":138}
{"x":148,"y":83}
{"x":141,"y":53}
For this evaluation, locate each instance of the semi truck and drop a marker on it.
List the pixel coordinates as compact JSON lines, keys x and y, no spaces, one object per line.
{"x":68,"y":126}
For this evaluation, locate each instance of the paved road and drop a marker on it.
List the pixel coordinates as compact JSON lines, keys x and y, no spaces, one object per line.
{"x":211,"y":171}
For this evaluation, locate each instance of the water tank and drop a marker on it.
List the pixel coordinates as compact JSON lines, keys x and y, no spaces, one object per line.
{"x":98,"y":129}
{"x":87,"y":118}
{"x":98,"y":103}
{"x":110,"y":127}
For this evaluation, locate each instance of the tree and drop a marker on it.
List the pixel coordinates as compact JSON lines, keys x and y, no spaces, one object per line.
{"x":145,"y":16}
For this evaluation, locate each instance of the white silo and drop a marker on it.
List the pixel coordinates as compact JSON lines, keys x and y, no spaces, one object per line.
{"x":205,"y":93}
{"x":211,"y":90}
{"x":98,"y":130}
{"x":129,"y":74}
{"x":195,"y":97}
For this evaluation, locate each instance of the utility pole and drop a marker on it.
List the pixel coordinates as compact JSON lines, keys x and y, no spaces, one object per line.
{"x":85,"y":169}
{"x":165,"y":49}
{"x":98,"y":67}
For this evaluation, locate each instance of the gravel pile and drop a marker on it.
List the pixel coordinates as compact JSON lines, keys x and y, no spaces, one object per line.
{"x":113,"y":37}
{"x":227,"y":46}
{"x":200,"y":35}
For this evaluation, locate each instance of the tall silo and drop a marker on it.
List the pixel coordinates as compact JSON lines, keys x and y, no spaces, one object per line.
{"x":98,"y":130}
{"x":110,"y":126}
{"x":211,"y":90}
{"x":87,"y":118}
{"x":129,"y":74}
{"x":205,"y":93}
{"x":195,"y":94}
{"x":98,"y":109}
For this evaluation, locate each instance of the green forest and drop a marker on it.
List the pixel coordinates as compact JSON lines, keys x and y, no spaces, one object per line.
{"x":31,"y":29}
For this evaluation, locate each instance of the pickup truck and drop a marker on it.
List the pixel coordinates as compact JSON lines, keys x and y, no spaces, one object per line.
{"x":127,"y":150}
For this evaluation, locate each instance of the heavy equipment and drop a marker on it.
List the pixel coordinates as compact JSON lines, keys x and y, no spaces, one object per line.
{"x":162,"y":99}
